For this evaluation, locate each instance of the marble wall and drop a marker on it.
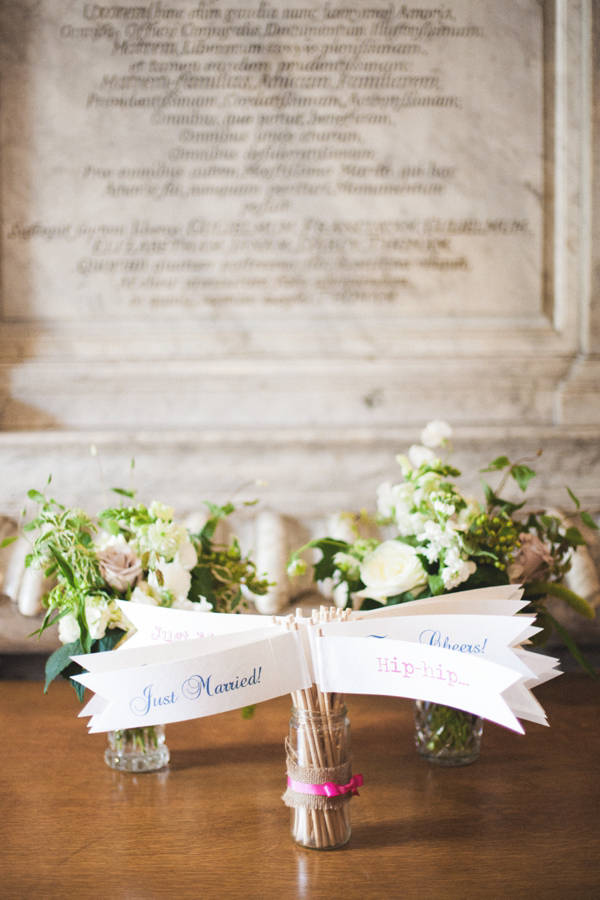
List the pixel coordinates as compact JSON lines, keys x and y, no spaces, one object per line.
{"x":269,"y":240}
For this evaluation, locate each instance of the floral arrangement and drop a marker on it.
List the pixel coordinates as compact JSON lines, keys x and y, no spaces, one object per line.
{"x":133,"y":553}
{"x":443,"y":541}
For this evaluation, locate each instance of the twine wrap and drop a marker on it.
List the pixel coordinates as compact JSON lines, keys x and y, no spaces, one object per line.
{"x":313,"y":775}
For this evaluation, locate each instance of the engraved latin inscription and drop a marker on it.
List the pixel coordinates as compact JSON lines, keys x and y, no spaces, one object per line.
{"x":220,"y":158}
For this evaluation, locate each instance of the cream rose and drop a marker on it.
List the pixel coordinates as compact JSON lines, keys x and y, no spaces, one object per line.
{"x":392,"y":568}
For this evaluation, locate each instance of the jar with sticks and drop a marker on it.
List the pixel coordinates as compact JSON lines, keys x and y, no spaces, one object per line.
{"x":320,"y":783}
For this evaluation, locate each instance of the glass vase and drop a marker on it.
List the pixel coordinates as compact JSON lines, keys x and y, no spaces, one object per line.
{"x":137,"y":749}
{"x":446,"y":736}
{"x":320,"y":783}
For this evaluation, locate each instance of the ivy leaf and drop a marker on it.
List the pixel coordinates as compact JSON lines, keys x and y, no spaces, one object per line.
{"x":501,"y":462}
{"x":522,"y":475}
{"x":325,"y":567}
{"x":574,"y":536}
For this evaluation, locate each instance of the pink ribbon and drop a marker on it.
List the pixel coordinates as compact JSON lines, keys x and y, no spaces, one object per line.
{"x":329,"y":789}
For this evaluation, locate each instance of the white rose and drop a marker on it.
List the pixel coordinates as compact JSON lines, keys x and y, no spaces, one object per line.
{"x":186,"y":556}
{"x":392,"y":568}
{"x":68,"y":629}
{"x":175,"y":579}
{"x":436,"y":433}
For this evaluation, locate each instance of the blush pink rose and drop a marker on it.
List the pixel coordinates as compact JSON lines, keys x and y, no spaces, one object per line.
{"x":531,"y":562}
{"x":120,"y":567}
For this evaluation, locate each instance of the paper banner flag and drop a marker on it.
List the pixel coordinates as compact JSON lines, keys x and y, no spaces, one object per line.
{"x":421,"y":672}
{"x":159,"y":625}
{"x":199,"y":686}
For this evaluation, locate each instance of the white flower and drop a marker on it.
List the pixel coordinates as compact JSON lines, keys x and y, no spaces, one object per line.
{"x":297,"y":567}
{"x":436,"y":433}
{"x":201,"y":606}
{"x":175,"y":579}
{"x":346,"y":562}
{"x":419,"y":455}
{"x":392,"y":568}
{"x":143,"y":594}
{"x":68,"y":629}
{"x":98,"y":614}
{"x":160,"y":511}
{"x":404,"y":463}
{"x":456,"y":569}
{"x":163,"y":538}
{"x":186,"y":556}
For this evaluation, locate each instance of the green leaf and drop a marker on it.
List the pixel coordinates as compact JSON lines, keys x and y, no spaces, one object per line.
{"x":574,"y":537}
{"x":30,"y":526}
{"x":61,"y":660}
{"x":436,"y":584}
{"x":37,"y":496}
{"x":7,"y":541}
{"x":248,"y":712}
{"x":573,"y":498}
{"x":325,"y":567}
{"x":501,"y":462}
{"x":570,"y":598}
{"x":64,"y":566}
{"x":124,"y":493}
{"x":109,"y":641}
{"x":522,"y":475}
{"x":589,"y":521}
{"x":572,"y":647}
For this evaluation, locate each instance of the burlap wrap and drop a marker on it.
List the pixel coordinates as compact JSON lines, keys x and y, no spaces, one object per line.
{"x":312,"y":775}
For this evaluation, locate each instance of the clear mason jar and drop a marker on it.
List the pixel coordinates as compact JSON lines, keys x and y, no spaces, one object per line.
{"x":137,"y":749}
{"x":446,"y":736}
{"x":318,"y":753}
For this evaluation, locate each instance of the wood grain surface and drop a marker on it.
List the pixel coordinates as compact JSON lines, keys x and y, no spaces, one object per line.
{"x":522,"y":822}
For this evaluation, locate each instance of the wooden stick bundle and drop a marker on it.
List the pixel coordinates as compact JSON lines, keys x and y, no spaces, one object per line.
{"x":321,"y":745}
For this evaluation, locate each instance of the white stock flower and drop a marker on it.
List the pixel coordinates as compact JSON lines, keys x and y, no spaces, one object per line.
{"x":436,"y":433}
{"x":392,"y":568}
{"x":418,"y":455}
{"x":98,"y":614}
{"x":346,"y":562}
{"x":456,"y":569}
{"x":68,"y":629}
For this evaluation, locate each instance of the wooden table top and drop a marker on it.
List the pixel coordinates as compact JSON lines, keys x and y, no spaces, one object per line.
{"x":521,"y":822}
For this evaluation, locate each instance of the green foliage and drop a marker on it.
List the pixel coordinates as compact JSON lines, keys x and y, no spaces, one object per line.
{"x":64,"y":549}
